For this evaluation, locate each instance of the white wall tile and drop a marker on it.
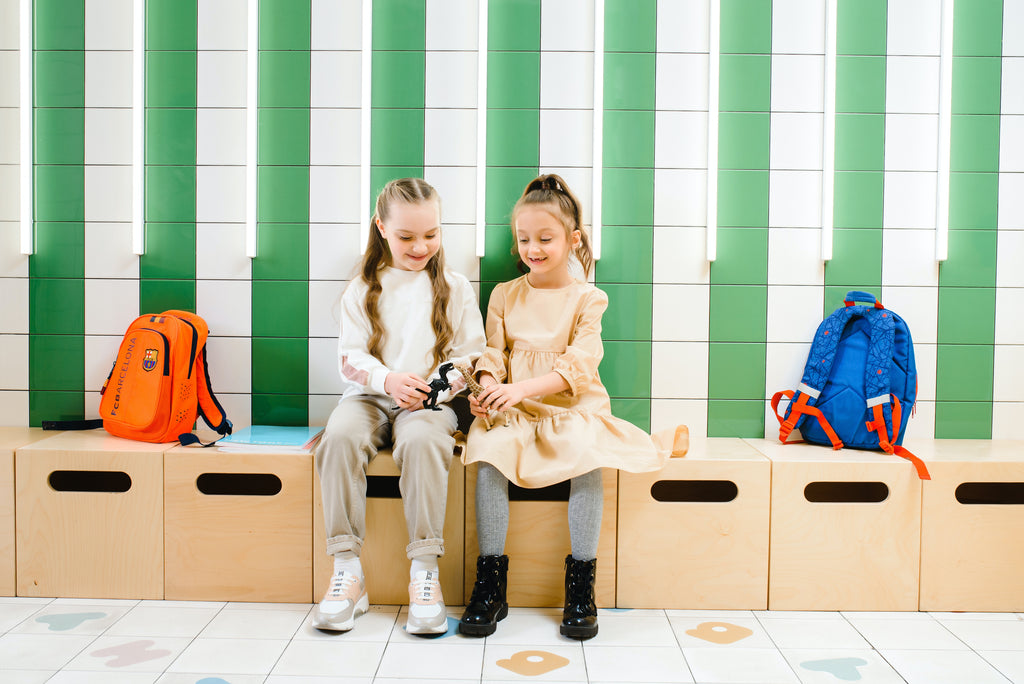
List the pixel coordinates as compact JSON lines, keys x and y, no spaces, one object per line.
{"x":457,"y":188}
{"x":681,"y":313}
{"x":230,"y":362}
{"x":108,"y":78}
{"x":1009,"y":257}
{"x":325,"y":307}
{"x":324,"y":377}
{"x":1011,"y":143}
{"x":798,"y":83}
{"x":110,"y":305}
{"x":798,"y":26}
{"x":220,"y":194}
{"x":918,"y":307}
{"x":921,"y":424}
{"x":794,"y":199}
{"x":680,"y":255}
{"x":912,"y":85}
{"x":666,"y":414}
{"x":1009,"y":322}
{"x":14,"y":408}
{"x":909,"y":200}
{"x":220,"y":252}
{"x":794,"y":312}
{"x":783,"y":371}
{"x":460,"y":249}
{"x":13,"y":264}
{"x":333,"y":251}
{"x":336,"y":24}
{"x":681,"y":140}
{"x":108,"y":193}
{"x":680,"y":197}
{"x":100,"y":354}
{"x":1007,"y":417}
{"x":222,"y":24}
{"x":1012,"y":100}
{"x":913,"y":27}
{"x":796,"y":140}
{"x":10,"y":200}
{"x":580,"y":179}
{"x":108,"y":24}
{"x":794,"y":257}
{"x":334,"y":194}
{"x":681,"y":82}
{"x":14,"y":362}
{"x":9,"y":13}
{"x":220,"y":78}
{"x":108,"y":251}
{"x":908,"y":258}
{"x":566,"y":25}
{"x":1011,"y":200}
{"x":450,"y":79}
{"x":559,"y":92}
{"x":451,"y":25}
{"x":108,"y":136}
{"x":683,"y":25}
{"x":334,"y":137}
{"x":237,"y":407}
{"x":226,"y":305}
{"x":10,"y":126}
{"x":911,"y":142}
{"x":449,"y":137}
{"x":321,"y":406}
{"x":682,"y":370}
{"x":1013,"y":28}
{"x":220,"y":137}
{"x":334,"y":79}
{"x":566,"y":137}
{"x":1008,"y":383}
{"x":9,"y":77}
{"x":926,"y":361}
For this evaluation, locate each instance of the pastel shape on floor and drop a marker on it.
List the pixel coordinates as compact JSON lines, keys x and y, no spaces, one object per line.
{"x":840,"y":668}
{"x":132,"y":653}
{"x":62,"y":622}
{"x":720,"y":632}
{"x":533,"y":663}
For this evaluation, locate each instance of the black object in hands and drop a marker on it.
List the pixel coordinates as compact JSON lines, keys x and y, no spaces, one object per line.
{"x":437,"y":386}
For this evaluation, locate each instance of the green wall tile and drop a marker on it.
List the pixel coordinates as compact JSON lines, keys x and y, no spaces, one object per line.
{"x":283,"y":252}
{"x":860,"y":142}
{"x":513,"y":80}
{"x":963,"y":372}
{"x":627,"y":255}
{"x":963,"y":420}
{"x":284,"y":78}
{"x":746,"y":26}
{"x":742,"y":198}
{"x":973,"y":200}
{"x":742,"y":257}
{"x":744,"y":83}
{"x":630,"y":25}
{"x":629,"y":314}
{"x":59,"y":134}
{"x":47,"y":405}
{"x":856,"y":258}
{"x":59,"y":251}
{"x":513,"y":24}
{"x":280,"y":308}
{"x":627,"y":379}
{"x":170,"y":252}
{"x":171,"y":136}
{"x":285,"y":24}
{"x":739,"y":313}
{"x":280,"y":409}
{"x":629,"y":80}
{"x":972,"y":259}
{"x":860,"y":84}
{"x":59,"y":193}
{"x":171,"y":24}
{"x":56,"y":362}
{"x":399,"y":25}
{"x":976,"y":85}
{"x":975,"y":143}
{"x":736,"y":370}
{"x":283,"y":194}
{"x":743,"y":139}
{"x":978,"y":28}
{"x":170,"y":79}
{"x":498,"y":264}
{"x":398,"y":79}
{"x":629,"y":139}
{"x":57,"y":24}
{"x":736,"y":418}
{"x":505,"y":186}
{"x":171,"y":194}
{"x":858,"y":199}
{"x":628,"y":197}
{"x":284,"y":136}
{"x":56,"y":307}
{"x":636,"y":411}
{"x":59,"y":78}
{"x":280,"y":365}
{"x":160,"y":295}
{"x":396,"y":137}
{"x":861,"y":27}
{"x":513,"y":137}
{"x":967,"y":315}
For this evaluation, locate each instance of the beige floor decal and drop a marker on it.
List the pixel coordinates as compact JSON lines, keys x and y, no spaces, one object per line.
{"x":720,"y":632}
{"x":533,"y":663}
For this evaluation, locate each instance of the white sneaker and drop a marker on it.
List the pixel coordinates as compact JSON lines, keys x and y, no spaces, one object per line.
{"x":344,"y":601}
{"x":427,"y":614}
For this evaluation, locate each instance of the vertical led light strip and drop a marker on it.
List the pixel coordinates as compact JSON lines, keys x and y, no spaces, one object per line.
{"x":139,"y":127}
{"x":481,"y":129}
{"x":828,"y":148}
{"x":945,"y":132}
{"x":714,"y":46}
{"x":252,"y":60}
{"x":25,"y":117}
{"x":598,"y":140}
{"x":366,"y":65}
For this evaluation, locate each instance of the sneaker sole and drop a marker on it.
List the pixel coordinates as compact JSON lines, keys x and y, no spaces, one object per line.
{"x":428,"y":630}
{"x":326,"y":624}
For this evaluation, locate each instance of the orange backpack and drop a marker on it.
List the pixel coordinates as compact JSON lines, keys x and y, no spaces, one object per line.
{"x":160,"y":382}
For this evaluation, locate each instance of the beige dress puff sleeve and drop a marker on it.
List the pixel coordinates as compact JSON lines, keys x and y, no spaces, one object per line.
{"x":532,"y":332}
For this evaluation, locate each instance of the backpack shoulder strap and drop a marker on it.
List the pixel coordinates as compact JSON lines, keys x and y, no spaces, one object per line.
{"x":209,"y":406}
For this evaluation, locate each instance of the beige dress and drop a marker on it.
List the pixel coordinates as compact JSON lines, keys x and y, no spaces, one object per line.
{"x":531,"y":332}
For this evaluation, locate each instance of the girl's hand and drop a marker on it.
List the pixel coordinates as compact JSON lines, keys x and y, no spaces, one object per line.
{"x":407,"y":389}
{"x":499,"y":397}
{"x":475,"y":408}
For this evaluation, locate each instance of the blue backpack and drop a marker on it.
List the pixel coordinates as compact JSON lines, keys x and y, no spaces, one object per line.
{"x":859,"y":384}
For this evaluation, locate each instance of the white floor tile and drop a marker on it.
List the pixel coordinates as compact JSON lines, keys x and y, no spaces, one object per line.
{"x":829,"y":665}
{"x":831,"y":634}
{"x":150,"y":620}
{"x":635,"y":664}
{"x":1009,"y":663}
{"x":942,"y":667}
{"x":739,"y":665}
{"x":261,"y":624}
{"x":988,"y":635}
{"x":330,"y":658}
{"x":906,"y":634}
{"x":440,"y":660}
{"x":235,"y":656}
{"x":82,"y":677}
{"x":529,"y":628}
{"x":39,"y":651}
{"x":634,"y":630}
{"x":11,"y":614}
{"x":27,"y":676}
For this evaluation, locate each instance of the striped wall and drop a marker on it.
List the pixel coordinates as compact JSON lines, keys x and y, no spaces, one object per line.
{"x":687,"y":340}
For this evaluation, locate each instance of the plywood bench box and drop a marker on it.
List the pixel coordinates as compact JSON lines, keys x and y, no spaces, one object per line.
{"x":90,"y":517}
{"x":383,"y":557}
{"x":972,"y":523}
{"x":695,"y":533}
{"x":845,"y":529}
{"x":11,"y":438}
{"x":236,"y":526}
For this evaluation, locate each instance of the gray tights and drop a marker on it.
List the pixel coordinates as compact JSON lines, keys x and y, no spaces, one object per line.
{"x":586,"y":500}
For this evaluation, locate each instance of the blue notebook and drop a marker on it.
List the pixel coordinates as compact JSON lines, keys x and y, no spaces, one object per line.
{"x":272,"y":438}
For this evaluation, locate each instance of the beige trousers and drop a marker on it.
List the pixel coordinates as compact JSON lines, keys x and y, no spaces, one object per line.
{"x":423,"y":449}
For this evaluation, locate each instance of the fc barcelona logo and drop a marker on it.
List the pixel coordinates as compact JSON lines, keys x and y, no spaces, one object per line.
{"x":149,"y":360}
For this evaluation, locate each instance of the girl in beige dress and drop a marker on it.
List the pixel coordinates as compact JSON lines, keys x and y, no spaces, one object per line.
{"x":541,"y":365}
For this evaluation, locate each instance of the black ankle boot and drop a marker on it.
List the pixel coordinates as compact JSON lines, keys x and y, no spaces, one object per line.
{"x":487,"y":605}
{"x":579,"y":617}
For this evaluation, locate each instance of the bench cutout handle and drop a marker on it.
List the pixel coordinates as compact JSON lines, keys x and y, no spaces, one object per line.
{"x":994,"y":493}
{"x":694,"y":491}
{"x":846,"y":492}
{"x":106,"y":481}
{"x":239,"y":484}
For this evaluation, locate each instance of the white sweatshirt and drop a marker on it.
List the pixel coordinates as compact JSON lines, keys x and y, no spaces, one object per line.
{"x":405,"y":306}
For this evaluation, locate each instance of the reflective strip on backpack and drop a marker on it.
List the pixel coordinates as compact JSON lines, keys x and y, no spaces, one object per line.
{"x":808,"y":390}
{"x":876,"y":401}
